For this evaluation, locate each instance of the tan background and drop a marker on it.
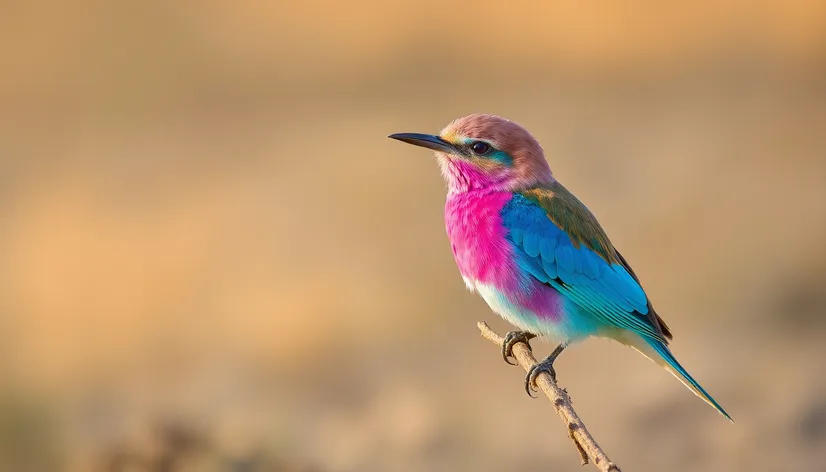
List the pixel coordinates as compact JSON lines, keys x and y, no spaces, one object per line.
{"x":211,"y":258}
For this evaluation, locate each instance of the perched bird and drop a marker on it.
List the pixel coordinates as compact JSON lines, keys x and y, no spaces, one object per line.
{"x":534,"y":252}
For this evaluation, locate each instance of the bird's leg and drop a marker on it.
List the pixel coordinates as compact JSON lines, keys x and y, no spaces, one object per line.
{"x":512,"y":338}
{"x":547,"y":365}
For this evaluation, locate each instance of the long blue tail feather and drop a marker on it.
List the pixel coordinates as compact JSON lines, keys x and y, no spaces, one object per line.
{"x":684,"y":376}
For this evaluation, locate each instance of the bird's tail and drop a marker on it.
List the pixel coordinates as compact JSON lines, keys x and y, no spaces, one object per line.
{"x":659,"y":353}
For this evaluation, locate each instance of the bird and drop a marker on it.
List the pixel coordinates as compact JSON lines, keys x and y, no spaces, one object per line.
{"x":535,"y":253}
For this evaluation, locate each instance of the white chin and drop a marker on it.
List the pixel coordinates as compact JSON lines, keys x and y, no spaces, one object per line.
{"x":444,"y":164}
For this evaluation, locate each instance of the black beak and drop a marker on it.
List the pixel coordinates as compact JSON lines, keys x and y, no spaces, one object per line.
{"x":426,"y":140}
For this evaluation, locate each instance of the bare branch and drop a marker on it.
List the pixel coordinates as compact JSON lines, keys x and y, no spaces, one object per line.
{"x":589,"y":450}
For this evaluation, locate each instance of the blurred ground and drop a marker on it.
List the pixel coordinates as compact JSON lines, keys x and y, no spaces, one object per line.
{"x":211,"y":258}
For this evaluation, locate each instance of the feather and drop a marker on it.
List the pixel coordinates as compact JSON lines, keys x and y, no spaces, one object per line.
{"x":562,"y":245}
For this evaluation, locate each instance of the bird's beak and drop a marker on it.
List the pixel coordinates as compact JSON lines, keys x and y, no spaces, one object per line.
{"x":426,"y":140}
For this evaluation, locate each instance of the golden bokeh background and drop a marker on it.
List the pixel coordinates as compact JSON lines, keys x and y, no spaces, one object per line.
{"x":212,"y":259}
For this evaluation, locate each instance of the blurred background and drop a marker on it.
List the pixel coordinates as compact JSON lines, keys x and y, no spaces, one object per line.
{"x":212,"y":259}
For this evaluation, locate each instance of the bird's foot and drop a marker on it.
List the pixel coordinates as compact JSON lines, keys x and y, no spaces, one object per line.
{"x":547,"y":365}
{"x":511,"y":339}
{"x":533,"y":373}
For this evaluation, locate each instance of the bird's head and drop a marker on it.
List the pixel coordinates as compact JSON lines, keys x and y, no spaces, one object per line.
{"x":485,"y":152}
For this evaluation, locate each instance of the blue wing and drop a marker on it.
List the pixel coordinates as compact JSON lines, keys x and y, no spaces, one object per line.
{"x":590,"y":274}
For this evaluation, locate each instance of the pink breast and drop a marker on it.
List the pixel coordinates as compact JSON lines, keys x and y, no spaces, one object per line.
{"x":482,"y":252}
{"x":477,"y":235}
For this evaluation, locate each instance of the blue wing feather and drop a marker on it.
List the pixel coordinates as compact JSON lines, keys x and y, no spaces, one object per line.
{"x":590,"y":265}
{"x":516,"y":236}
{"x":530,"y":244}
{"x":604,"y":289}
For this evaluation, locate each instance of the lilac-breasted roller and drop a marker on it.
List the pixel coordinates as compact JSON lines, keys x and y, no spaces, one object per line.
{"x":534,"y":252}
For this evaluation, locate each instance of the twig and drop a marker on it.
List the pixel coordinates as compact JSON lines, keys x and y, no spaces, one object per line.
{"x":589,"y":450}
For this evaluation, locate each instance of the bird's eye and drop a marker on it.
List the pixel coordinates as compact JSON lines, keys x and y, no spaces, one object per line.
{"x":480,"y":148}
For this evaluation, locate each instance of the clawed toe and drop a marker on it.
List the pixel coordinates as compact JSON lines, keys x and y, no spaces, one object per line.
{"x":547,"y":365}
{"x":533,"y":373}
{"x":511,"y":339}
